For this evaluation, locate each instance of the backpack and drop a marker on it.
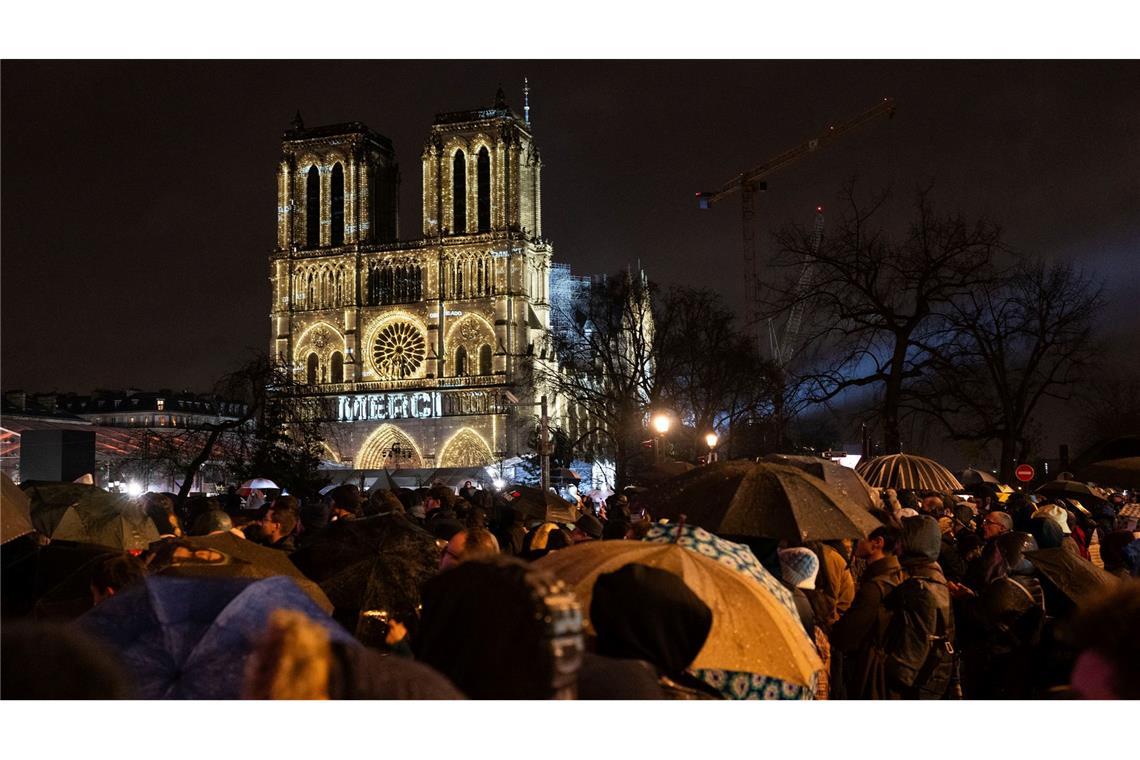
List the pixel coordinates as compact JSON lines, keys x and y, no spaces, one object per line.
{"x":918,"y":658}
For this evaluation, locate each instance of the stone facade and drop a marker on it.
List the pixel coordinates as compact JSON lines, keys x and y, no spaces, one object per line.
{"x":413,"y":348}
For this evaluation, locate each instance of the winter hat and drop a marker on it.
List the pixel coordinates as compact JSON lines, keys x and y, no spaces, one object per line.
{"x":1055,"y":513}
{"x":799,"y":566}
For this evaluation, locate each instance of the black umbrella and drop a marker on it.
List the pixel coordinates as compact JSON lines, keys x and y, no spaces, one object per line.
{"x":537,"y":504}
{"x":375,"y":565}
{"x":48,"y":501}
{"x":842,"y":479}
{"x":15,"y":511}
{"x":106,"y":519}
{"x":1074,"y":576}
{"x":1072,"y":489}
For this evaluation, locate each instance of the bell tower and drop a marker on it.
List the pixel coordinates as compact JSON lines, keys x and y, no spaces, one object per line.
{"x":482,"y":173}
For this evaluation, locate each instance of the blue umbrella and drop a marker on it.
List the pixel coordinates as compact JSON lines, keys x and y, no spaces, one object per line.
{"x":190,"y":638}
{"x":731,"y":683}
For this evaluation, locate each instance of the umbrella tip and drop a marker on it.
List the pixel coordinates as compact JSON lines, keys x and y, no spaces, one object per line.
{"x":680,"y":527}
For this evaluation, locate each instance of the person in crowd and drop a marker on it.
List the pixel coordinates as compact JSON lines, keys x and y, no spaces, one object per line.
{"x":468,"y":544}
{"x":113,"y":574}
{"x":979,"y":571}
{"x":645,"y":619}
{"x":1120,"y":552}
{"x":280,"y":523}
{"x":314,"y":516}
{"x":345,"y":502}
{"x":949,"y":558}
{"x":469,"y":492}
{"x":798,"y":569}
{"x":860,"y":632}
{"x":587,"y":528}
{"x":544,"y":539}
{"x":1106,"y":631}
{"x":499,"y":628}
{"x":381,"y":501}
{"x":1021,"y":508}
{"x":512,"y":531}
{"x":1060,"y":516}
{"x":160,"y":509}
{"x":213,"y":521}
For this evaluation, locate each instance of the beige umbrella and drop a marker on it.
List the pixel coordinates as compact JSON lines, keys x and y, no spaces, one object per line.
{"x":843,"y":479}
{"x":752,"y":630}
{"x":907,"y":471}
{"x":15,"y":512}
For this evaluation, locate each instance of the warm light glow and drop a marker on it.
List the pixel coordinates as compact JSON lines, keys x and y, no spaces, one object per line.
{"x":661,"y":423}
{"x":711,"y":440}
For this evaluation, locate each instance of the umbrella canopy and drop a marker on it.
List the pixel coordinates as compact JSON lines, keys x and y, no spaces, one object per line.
{"x":245,"y":559}
{"x":257,"y":484}
{"x":843,"y":479}
{"x":1121,"y":473}
{"x":49,"y":501}
{"x":907,"y":471}
{"x":973,"y":477}
{"x":537,"y":504}
{"x":761,"y":500}
{"x":190,"y":638}
{"x":378,"y":563}
{"x":752,"y":630}
{"x":1074,"y":576}
{"x":15,"y":511}
{"x":1072,"y":489}
{"x":106,"y":519}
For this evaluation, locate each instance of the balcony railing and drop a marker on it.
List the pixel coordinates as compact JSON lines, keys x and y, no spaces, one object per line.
{"x":410,"y":383}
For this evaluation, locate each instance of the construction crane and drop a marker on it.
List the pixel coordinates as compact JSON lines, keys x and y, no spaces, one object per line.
{"x":782,"y":350}
{"x":751,"y":181}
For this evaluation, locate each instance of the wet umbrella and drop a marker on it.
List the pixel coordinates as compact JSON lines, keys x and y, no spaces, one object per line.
{"x":106,"y":519}
{"x":245,"y":559}
{"x":1074,"y":576}
{"x":190,"y":638}
{"x":1122,"y":473}
{"x":761,"y":500}
{"x":1073,"y":489}
{"x":973,"y":477}
{"x":15,"y":512}
{"x":752,"y":630}
{"x":49,"y":501}
{"x":908,"y":471}
{"x":378,"y":563}
{"x":843,"y":479}
{"x":537,"y":504}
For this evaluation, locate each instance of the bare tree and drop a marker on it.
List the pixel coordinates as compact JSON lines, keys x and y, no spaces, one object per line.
{"x":1007,"y":346}
{"x":875,"y":301}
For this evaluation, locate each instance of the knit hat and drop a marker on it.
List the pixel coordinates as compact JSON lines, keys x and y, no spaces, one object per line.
{"x":799,"y":566}
{"x":1055,"y":513}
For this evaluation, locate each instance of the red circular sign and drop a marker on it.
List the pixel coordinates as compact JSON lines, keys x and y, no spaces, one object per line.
{"x":1024,"y":473}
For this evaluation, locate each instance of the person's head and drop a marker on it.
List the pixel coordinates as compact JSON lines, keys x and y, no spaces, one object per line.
{"x":882,"y":542}
{"x":213,"y":521}
{"x":645,"y":613}
{"x":1047,"y":532}
{"x":921,"y":540}
{"x":996,"y":523}
{"x":932,"y":505}
{"x":1057,"y":514}
{"x":1012,"y":548}
{"x":467,"y":484}
{"x":282,"y":518}
{"x":115,"y":573}
{"x":1106,"y":630}
{"x":799,"y":567}
{"x":344,"y":502}
{"x":160,"y":509}
{"x":472,"y":543}
{"x":470,"y":611}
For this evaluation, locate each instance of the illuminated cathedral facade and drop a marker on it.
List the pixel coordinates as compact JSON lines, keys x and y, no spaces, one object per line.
{"x":417,"y":352}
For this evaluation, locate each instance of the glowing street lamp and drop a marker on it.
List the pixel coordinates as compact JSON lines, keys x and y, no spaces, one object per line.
{"x":711,"y":439}
{"x":661,"y":424}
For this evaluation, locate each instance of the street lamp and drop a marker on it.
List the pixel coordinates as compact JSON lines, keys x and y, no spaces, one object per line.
{"x":661,"y":424}
{"x":711,"y":440}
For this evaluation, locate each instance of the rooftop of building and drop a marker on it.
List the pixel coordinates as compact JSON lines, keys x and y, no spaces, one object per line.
{"x":299,"y":132}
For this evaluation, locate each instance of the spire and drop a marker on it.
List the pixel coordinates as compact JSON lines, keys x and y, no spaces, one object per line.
{"x":298,"y":122}
{"x":500,"y":98}
{"x":526,"y":100}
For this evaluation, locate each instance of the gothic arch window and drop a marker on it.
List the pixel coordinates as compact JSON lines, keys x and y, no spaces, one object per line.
{"x":372,"y":295}
{"x":459,"y":193}
{"x":460,"y":361}
{"x":337,"y":375}
{"x":337,"y":232}
{"x":313,"y":208}
{"x":311,"y":367}
{"x":485,"y":360}
{"x":483,"y":177}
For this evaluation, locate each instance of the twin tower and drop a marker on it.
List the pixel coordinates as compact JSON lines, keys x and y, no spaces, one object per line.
{"x":413,"y":346}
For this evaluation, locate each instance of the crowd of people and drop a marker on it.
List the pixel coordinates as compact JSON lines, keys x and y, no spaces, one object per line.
{"x":976,"y":598}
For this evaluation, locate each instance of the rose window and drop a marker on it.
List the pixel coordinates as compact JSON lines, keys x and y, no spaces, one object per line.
{"x":399,"y":350}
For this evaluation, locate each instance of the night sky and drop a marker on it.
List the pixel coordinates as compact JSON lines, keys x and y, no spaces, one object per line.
{"x":139,"y":197}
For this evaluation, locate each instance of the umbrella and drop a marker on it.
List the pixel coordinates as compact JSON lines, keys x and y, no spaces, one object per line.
{"x":842,"y":479}
{"x":537,"y":504}
{"x":1074,"y":576}
{"x":257,"y":484}
{"x":752,"y":630}
{"x":245,"y":559}
{"x":15,"y":512}
{"x":762,"y":500}
{"x":907,"y":471}
{"x":564,"y":474}
{"x":973,"y":477}
{"x":378,"y":563}
{"x":49,"y":501}
{"x":1072,"y":489}
{"x":190,"y":638}
{"x":1123,"y":472}
{"x":106,"y":519}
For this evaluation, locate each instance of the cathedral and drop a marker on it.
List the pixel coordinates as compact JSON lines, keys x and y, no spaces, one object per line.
{"x":417,"y":352}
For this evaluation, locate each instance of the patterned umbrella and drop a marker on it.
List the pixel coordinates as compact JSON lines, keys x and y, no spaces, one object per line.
{"x":735,"y":684}
{"x":752,"y":630}
{"x":907,"y":471}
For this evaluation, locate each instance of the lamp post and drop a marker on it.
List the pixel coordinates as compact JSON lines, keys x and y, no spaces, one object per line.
{"x":711,"y":440}
{"x":661,"y":424}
